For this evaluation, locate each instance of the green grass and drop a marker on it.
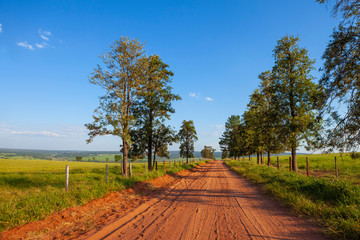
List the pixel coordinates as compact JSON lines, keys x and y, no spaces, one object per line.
{"x":30,"y":190}
{"x":323,"y":165}
{"x":335,"y":204}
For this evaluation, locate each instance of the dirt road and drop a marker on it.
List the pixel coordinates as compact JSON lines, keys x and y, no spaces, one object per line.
{"x":211,"y":203}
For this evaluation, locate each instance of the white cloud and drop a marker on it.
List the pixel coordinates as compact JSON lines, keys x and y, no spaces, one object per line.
{"x":40,"y":133}
{"x":25,"y":45}
{"x":194,"y":95}
{"x":44,"y":34}
{"x":209,"y":99}
{"x":1,"y":28}
{"x":45,"y":38}
{"x":47,"y":33}
{"x":40,"y":45}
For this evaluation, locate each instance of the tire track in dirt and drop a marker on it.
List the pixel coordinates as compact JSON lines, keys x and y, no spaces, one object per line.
{"x":210,"y":203}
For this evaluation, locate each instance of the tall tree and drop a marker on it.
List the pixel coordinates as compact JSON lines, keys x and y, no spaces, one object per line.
{"x":341,"y":77}
{"x":123,"y":80}
{"x":208,"y":152}
{"x":162,"y":137}
{"x":187,"y":137}
{"x":226,"y":142}
{"x":155,"y":102}
{"x":296,"y":93}
{"x":273,"y":140}
{"x":254,"y":124}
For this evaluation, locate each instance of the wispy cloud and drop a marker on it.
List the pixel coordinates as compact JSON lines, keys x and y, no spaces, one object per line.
{"x":40,"y":45}
{"x":194,"y":95}
{"x":44,"y":34}
{"x":25,"y":45}
{"x":209,"y":99}
{"x":40,"y":133}
{"x":45,"y":38}
{"x":1,"y":28}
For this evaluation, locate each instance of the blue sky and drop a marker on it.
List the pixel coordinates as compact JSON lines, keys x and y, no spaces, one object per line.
{"x":215,"y":48}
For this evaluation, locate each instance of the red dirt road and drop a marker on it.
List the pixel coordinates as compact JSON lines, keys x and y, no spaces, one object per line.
{"x":211,"y":203}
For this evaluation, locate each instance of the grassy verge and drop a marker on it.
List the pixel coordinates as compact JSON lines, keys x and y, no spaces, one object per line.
{"x":32,"y":190}
{"x":334,"y":204}
{"x":323,"y":165}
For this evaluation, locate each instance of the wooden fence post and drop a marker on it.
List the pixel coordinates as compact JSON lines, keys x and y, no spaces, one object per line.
{"x":130,"y":169}
{"x":307,"y":166}
{"x":67,"y":178}
{"x":290,"y":164}
{"x":107,"y":171}
{"x":278,"y":164}
{"x":336,"y":168}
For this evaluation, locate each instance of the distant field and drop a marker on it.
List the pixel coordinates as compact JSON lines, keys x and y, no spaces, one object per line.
{"x":33,"y":189}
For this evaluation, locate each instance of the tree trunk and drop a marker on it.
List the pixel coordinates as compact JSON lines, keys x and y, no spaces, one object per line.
{"x":125,"y":158}
{"x":262,"y":158}
{"x":257,"y":158}
{"x":293,"y":155}
{"x":150,"y":135}
{"x":154,"y":159}
{"x":150,"y":152}
{"x":249,"y":157}
{"x":269,"y":158}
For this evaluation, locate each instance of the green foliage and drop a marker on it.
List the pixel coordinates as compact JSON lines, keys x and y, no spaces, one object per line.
{"x":224,"y":154}
{"x":208,"y":152}
{"x":187,"y":137}
{"x":296,"y":93}
{"x":335,"y":204}
{"x":152,"y":108}
{"x":230,"y":140}
{"x":78,"y":158}
{"x":340,"y":79}
{"x":282,"y":112}
{"x":123,"y":80}
{"x":118,"y":158}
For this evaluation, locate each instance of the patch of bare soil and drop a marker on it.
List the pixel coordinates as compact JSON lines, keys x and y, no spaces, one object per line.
{"x":74,"y":222}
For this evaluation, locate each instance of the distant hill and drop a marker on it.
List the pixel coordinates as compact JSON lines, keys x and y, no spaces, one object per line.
{"x":70,"y":155}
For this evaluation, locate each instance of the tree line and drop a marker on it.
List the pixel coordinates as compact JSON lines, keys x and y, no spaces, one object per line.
{"x":137,"y":102}
{"x":290,"y":109}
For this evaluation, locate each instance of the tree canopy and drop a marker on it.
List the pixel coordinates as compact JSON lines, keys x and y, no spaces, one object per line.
{"x":187,"y":137}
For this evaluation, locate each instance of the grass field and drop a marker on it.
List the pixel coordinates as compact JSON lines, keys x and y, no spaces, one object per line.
{"x":323,"y":165}
{"x":33,"y":189}
{"x":335,"y":204}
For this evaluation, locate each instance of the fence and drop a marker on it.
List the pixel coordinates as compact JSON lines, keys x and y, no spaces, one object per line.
{"x":291,"y":168}
{"x":167,"y":166}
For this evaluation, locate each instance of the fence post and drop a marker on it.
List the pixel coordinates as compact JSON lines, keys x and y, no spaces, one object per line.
{"x":278,"y":164}
{"x":336,"y":168}
{"x":307,"y":166}
{"x":107,"y":167}
{"x":290,"y":164}
{"x":130,"y":169}
{"x":67,"y":178}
